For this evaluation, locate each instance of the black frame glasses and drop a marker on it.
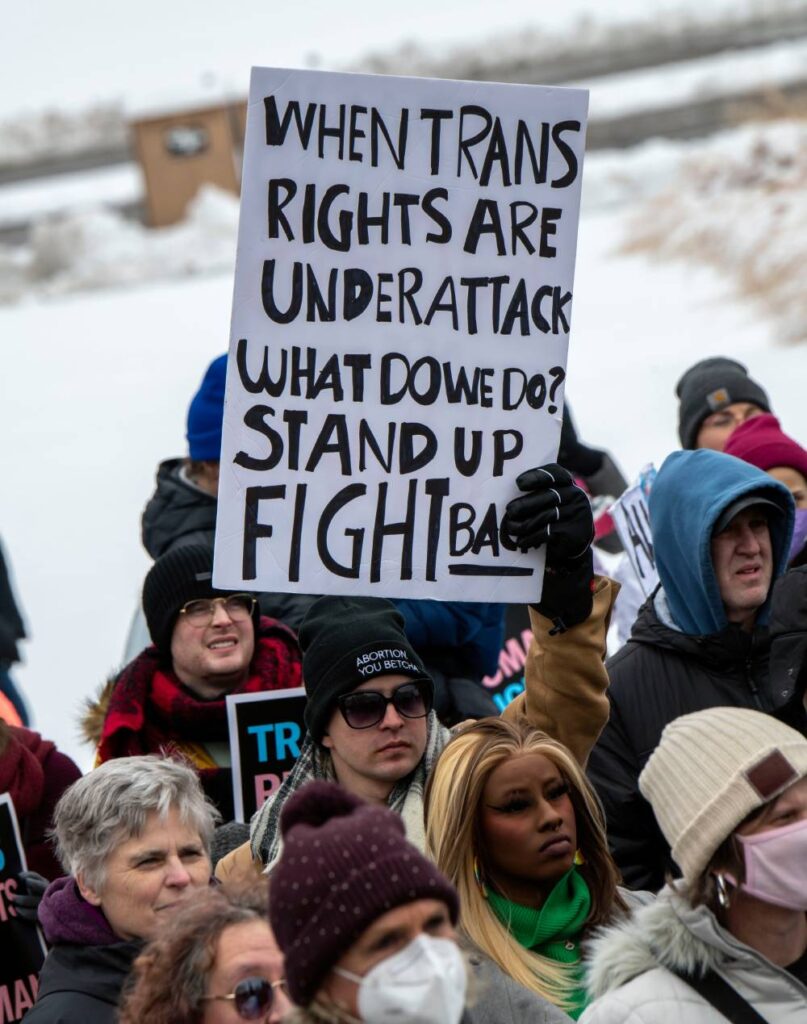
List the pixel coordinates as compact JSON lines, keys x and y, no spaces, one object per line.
{"x":253,"y":997}
{"x":200,"y":611}
{"x":362,"y":709}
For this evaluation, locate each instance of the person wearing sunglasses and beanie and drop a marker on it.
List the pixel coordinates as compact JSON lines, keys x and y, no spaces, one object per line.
{"x":367,"y":925}
{"x":728,"y":940}
{"x":217,"y":962}
{"x":369,"y":717}
{"x":205,"y":645}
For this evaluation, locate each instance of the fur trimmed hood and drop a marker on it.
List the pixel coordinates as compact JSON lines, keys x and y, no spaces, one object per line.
{"x":95,"y":709}
{"x":667,"y":933}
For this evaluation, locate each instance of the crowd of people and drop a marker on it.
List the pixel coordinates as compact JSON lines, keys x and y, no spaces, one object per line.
{"x":625,"y":842}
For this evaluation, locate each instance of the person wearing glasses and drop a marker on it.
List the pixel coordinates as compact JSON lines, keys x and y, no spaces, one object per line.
{"x":217,"y":962}
{"x":206,"y":644}
{"x":370,"y":722}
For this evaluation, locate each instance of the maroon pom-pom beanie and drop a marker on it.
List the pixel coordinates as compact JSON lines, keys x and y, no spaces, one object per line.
{"x":344,"y":864}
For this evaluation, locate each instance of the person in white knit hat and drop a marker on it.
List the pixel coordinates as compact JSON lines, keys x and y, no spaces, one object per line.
{"x":728,"y":940}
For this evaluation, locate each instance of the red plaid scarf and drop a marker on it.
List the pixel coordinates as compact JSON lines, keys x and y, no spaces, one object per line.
{"x":151,"y":712}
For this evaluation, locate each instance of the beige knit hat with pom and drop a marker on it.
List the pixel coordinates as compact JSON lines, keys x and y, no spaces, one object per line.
{"x":710,"y":770}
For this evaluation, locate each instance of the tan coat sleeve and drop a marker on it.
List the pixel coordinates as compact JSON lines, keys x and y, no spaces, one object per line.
{"x":238,"y":869}
{"x":565,"y":678}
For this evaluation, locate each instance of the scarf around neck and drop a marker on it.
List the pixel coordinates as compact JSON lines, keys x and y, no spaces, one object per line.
{"x":314,"y":763}
{"x":555,"y":930}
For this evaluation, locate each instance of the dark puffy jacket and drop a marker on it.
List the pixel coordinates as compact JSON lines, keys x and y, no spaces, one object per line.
{"x":683,"y":655}
{"x":788,"y":628}
{"x":659,"y":675}
{"x":178,"y":514}
{"x":82,"y":984}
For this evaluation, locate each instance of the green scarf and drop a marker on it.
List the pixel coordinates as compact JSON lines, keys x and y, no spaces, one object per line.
{"x":555,"y":930}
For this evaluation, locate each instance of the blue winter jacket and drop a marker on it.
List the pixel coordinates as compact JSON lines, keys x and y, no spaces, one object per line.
{"x":690,"y":492}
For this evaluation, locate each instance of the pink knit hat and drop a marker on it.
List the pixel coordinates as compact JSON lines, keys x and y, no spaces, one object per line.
{"x":761,"y":442}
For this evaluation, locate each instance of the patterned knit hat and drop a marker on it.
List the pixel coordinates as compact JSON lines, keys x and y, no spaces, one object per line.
{"x":709,"y":386}
{"x":180,"y":575}
{"x":344,"y":864}
{"x":710,"y":770}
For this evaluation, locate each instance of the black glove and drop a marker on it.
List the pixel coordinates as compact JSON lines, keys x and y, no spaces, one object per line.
{"x":554,"y":511}
{"x":30,"y":890}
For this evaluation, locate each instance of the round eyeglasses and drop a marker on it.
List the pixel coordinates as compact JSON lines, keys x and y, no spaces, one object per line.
{"x":201,"y":611}
{"x":253,"y":997}
{"x":363,"y":709}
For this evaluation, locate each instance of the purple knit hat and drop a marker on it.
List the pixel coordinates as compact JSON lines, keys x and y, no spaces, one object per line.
{"x":344,"y":864}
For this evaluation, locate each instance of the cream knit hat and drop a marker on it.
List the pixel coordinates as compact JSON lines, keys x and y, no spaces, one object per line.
{"x":713,"y":768}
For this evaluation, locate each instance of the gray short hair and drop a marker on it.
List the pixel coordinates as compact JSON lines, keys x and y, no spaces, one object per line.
{"x":110,"y":805}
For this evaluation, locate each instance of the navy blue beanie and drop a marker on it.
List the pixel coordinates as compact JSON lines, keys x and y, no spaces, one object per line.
{"x":206,"y":414}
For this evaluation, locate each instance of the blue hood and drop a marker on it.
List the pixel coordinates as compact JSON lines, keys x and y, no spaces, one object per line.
{"x":691,"y":490}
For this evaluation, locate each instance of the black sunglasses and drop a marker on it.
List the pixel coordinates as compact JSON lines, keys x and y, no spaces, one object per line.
{"x":363,"y":709}
{"x":253,"y":997}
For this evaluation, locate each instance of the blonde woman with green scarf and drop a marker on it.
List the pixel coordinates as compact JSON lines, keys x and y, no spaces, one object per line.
{"x":512,"y":821}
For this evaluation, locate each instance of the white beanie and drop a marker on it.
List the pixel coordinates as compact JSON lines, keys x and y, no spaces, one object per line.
{"x":710,"y":770}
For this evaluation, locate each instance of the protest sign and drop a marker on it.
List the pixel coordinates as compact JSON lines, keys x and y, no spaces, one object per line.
{"x":632,"y":522}
{"x":400,"y":325}
{"x":507,"y":682}
{"x":21,"y":943}
{"x":266,"y":730}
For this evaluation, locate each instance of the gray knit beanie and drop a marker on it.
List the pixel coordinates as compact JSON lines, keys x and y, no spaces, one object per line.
{"x":710,"y":770}
{"x":710,"y":386}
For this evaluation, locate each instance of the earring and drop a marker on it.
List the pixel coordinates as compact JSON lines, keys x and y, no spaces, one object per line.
{"x":479,"y":879}
{"x":722,"y":891}
{"x":579,"y":858}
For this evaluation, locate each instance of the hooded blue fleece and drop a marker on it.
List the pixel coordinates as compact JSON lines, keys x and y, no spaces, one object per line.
{"x":690,"y":492}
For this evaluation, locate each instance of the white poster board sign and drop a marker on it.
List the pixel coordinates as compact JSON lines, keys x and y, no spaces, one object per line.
{"x":632,"y":522}
{"x":400,"y":326}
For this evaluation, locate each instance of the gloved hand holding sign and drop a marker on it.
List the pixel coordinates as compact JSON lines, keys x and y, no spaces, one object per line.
{"x":555,"y":512}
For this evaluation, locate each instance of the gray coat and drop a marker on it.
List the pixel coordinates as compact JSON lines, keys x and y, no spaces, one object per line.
{"x":630,"y":980}
{"x":497,"y":999}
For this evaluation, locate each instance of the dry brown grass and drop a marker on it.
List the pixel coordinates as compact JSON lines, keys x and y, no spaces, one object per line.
{"x":744,"y":212}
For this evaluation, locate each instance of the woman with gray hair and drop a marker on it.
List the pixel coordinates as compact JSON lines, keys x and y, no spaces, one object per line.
{"x":134,"y":836}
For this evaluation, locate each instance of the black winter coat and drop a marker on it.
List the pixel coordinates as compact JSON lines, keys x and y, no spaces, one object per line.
{"x":82,"y":984}
{"x":657,"y":676}
{"x":178,"y":514}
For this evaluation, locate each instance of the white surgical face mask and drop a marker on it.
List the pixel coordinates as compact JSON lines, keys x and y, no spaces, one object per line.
{"x":424,"y":983}
{"x":776,"y":866}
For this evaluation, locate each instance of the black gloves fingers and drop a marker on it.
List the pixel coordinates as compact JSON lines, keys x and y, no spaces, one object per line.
{"x":553,"y":511}
{"x":26,"y":899}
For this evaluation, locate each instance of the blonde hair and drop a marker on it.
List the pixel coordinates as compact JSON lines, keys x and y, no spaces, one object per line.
{"x":452,"y":801}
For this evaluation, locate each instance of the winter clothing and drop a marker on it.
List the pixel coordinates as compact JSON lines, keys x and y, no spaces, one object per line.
{"x":709,"y":386}
{"x":35,"y":774}
{"x":344,"y":864}
{"x":462,"y":638}
{"x":710,"y":771}
{"x":206,"y":414}
{"x":11,"y":624}
{"x":347,"y":641}
{"x":682,"y":655}
{"x":497,"y":999}
{"x":147,"y":710}
{"x":178,"y":512}
{"x":788,"y":630}
{"x":632,"y":965}
{"x":314,"y":765}
{"x":85,"y":970}
{"x":555,"y":930}
{"x":763,"y":443}
{"x":565,"y":696}
{"x":182,"y":575}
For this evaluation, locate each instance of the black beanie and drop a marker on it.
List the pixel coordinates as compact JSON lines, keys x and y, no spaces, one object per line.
{"x":346,"y":641}
{"x":709,"y":386}
{"x":182,"y":574}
